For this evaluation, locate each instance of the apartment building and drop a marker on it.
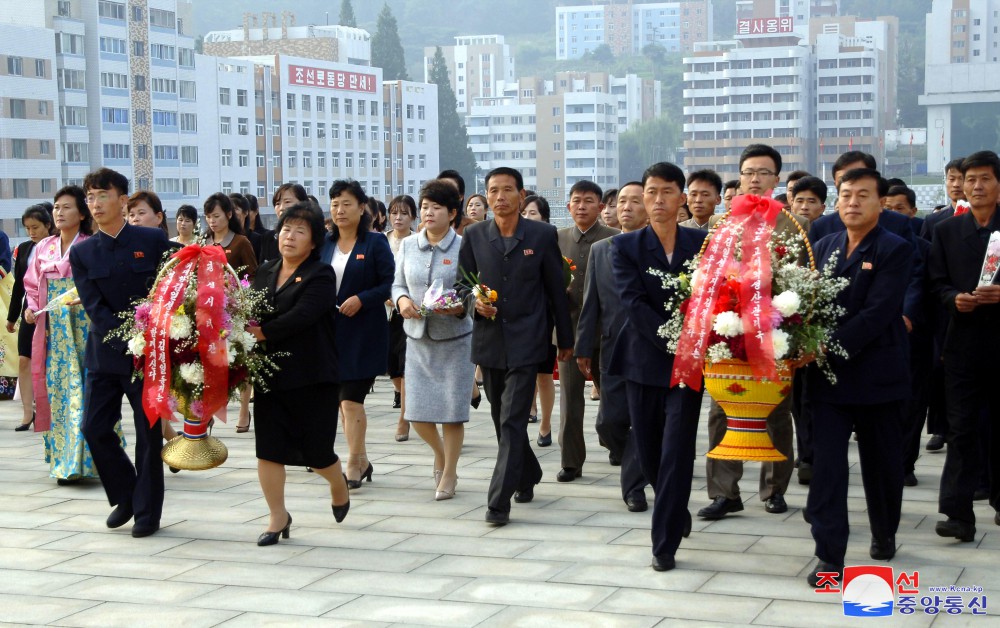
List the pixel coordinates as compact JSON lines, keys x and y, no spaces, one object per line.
{"x":628,"y":27}
{"x":561,"y":130}
{"x":960,"y":91}
{"x":476,"y":64}
{"x":261,"y":35}
{"x":411,"y":151}
{"x":810,"y":91}
{"x":29,"y":125}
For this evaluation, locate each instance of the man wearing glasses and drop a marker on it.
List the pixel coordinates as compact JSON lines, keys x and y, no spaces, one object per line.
{"x":760,"y":166}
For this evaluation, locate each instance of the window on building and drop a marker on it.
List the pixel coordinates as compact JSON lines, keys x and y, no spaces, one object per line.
{"x":162,"y":19}
{"x":225,"y":126}
{"x":189,"y":122}
{"x":111,"y":10}
{"x":224,"y":96}
{"x":20,"y":188}
{"x":334,"y":104}
{"x":290,"y":102}
{"x":320,"y":104}
{"x":19,"y":149}
{"x":227,"y":157}
{"x":18,"y":109}
{"x":306,"y":102}
{"x":189,"y":155}
{"x":244,"y":158}
{"x":306,"y":129}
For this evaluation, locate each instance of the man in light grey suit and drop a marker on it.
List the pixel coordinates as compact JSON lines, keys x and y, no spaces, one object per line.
{"x":574,"y":243}
{"x":602,"y":315}
{"x":704,"y":193}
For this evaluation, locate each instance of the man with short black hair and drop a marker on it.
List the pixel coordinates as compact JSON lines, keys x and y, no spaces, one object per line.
{"x":809,"y":198}
{"x":601,"y":318}
{"x":792,"y":179}
{"x":519,"y":259}
{"x":971,"y":347}
{"x":954,"y":185}
{"x":111,"y":270}
{"x":871,"y":382}
{"x":704,"y":193}
{"x":575,"y":243}
{"x":730,"y":190}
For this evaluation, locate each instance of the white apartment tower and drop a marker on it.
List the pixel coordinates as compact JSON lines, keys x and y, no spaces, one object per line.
{"x":960,"y":88}
{"x":476,"y":64}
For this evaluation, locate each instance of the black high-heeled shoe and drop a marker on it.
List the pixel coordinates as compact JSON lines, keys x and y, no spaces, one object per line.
{"x":478,"y":399}
{"x":340,"y":512}
{"x":271,"y":538}
{"x":24,"y":427}
{"x":367,"y":476}
{"x":243,"y":429}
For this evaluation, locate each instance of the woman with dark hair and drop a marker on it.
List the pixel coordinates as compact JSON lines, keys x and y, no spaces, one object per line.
{"x":241,"y":206}
{"x":224,"y":230}
{"x":37,"y":222}
{"x":477,"y":208}
{"x":60,"y":340}
{"x":377,"y":210}
{"x":297,"y":413}
{"x":537,"y":208}
{"x":286,"y":195}
{"x":402,"y":213}
{"x":254,"y":223}
{"x":364,"y":268}
{"x":187,"y":225}
{"x":146,"y":210}
{"x":439,"y":345}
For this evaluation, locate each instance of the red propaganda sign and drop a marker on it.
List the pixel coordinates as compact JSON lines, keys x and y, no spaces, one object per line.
{"x":331,"y":79}
{"x":763,"y":25}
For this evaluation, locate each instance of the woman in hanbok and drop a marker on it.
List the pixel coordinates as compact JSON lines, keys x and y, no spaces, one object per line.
{"x":59,"y":341}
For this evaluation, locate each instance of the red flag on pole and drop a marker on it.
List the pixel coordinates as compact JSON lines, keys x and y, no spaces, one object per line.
{"x":942,"y":139}
{"x":911,"y":139}
{"x":850,"y":143}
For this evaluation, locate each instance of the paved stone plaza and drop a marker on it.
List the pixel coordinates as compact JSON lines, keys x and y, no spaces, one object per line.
{"x":573,"y":557}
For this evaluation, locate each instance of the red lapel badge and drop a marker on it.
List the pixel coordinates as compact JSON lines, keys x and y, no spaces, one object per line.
{"x":529,"y":251}
{"x":359,"y":256}
{"x":447,"y":262}
{"x":866,"y":265}
{"x":139,"y":254}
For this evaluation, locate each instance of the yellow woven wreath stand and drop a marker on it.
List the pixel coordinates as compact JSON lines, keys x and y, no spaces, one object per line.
{"x":747,"y":402}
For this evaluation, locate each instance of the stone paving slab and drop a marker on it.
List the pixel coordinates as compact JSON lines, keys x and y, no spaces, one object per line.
{"x":573,"y":557}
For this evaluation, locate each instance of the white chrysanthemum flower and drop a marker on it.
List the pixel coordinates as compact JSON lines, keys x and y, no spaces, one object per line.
{"x":136,"y":345}
{"x":787,"y":303}
{"x":180,"y":327}
{"x":192,"y":373}
{"x":246,"y":340}
{"x":728,"y":324}
{"x":232,"y":352}
{"x":718,"y":352}
{"x":780,"y":340}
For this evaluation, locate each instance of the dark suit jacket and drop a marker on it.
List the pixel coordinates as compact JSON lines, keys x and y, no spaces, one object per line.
{"x":363,"y":339}
{"x":956,"y":260}
{"x":21,"y":258}
{"x":932,"y":221}
{"x":110,"y":273}
{"x":5,"y":252}
{"x":640,"y":354}
{"x":917,"y":226}
{"x":268,"y":247}
{"x":528,"y":278}
{"x":300,"y":324}
{"x":891,"y":221}
{"x":872,"y":332}
{"x":602,"y":315}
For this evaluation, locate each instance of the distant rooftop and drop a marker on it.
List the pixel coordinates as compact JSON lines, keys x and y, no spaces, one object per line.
{"x":334,"y":31}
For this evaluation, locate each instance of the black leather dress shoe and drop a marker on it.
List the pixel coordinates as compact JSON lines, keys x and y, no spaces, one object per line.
{"x":636,"y":504}
{"x":883,"y":549}
{"x":687,"y":524}
{"x":544,"y":441}
{"x":961,"y":530}
{"x":613,"y":460}
{"x":821,"y":566}
{"x":140,"y":530}
{"x":720,"y":508}
{"x":568,"y":475}
{"x":663,"y":563}
{"x":983,"y":492}
{"x":936,"y":443}
{"x":497,"y":517}
{"x":525,"y":496}
{"x":120,"y":515}
{"x":775,"y":504}
{"x":805,"y":473}
{"x":910,"y":479}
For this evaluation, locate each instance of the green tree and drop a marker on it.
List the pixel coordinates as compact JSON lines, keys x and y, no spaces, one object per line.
{"x":387,"y":51}
{"x":347,"y":14}
{"x":644,"y":145}
{"x":603,"y":54}
{"x":453,"y":140}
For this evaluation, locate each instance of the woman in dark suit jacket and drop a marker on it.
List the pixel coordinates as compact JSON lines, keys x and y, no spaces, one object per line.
{"x":297,"y":413}
{"x":37,"y":221}
{"x":364,"y":265}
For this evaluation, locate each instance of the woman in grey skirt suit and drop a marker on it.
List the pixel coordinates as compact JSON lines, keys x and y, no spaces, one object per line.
{"x":438,"y":346}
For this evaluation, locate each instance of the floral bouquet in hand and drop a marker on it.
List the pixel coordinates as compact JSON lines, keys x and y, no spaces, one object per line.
{"x":188,"y":341}
{"x":438,"y":299}
{"x":991,"y":263}
{"x":481,"y":291}
{"x":568,"y":268}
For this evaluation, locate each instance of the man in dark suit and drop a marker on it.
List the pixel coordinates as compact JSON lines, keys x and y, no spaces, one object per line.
{"x":664,"y":419}
{"x":574,"y":243}
{"x":937,"y":415}
{"x":971,"y":347}
{"x":111,"y":270}
{"x":520,"y":260}
{"x":602,"y":317}
{"x":871,"y":382}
